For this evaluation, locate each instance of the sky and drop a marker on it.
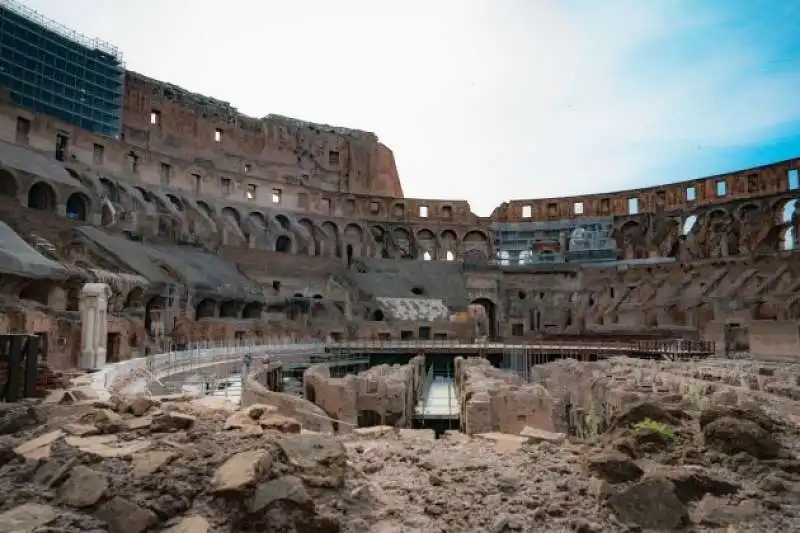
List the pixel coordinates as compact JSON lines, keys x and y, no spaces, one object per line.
{"x":491,"y":100}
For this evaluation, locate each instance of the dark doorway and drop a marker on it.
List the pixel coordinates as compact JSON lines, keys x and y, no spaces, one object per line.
{"x":112,"y":347}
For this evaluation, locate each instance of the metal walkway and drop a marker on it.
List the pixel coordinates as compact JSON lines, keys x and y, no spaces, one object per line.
{"x":438,"y":398}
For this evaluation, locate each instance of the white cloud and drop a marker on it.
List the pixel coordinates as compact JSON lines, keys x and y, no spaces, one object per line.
{"x":479,"y":99}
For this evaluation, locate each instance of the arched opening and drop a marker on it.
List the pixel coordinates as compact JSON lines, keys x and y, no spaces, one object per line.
{"x":228,"y":310}
{"x":349,"y":254}
{"x":41,"y":196}
{"x":310,"y":393}
{"x":205,"y":309}
{"x":145,"y":195}
{"x":789,"y":219}
{"x":134,"y":300}
{"x":283,"y":220}
{"x":377,"y":315}
{"x":252,"y":310}
{"x":8,"y":183}
{"x":106,"y":217}
{"x":109,"y":189}
{"x":174,"y":200}
{"x":205,"y":209}
{"x":283,"y":244}
{"x":449,"y":256}
{"x":77,"y":207}
{"x":491,"y":315}
{"x":426,"y":256}
{"x":153,"y":314}
{"x":36,"y":291}
{"x":73,"y":299}
{"x":689,"y":224}
{"x":368,"y":418}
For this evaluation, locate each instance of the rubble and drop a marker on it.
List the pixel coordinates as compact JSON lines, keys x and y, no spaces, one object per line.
{"x":190,"y":466}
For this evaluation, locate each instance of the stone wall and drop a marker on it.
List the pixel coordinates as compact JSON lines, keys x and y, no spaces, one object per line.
{"x":309,"y":415}
{"x":381,"y":395}
{"x":492,"y":400}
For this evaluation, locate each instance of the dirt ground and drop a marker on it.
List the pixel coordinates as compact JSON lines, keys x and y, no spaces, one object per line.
{"x":695,"y":447}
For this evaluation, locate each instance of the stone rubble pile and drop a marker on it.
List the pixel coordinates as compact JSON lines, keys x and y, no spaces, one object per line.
{"x":183,"y":464}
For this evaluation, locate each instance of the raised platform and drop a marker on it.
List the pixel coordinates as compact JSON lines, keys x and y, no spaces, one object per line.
{"x":672,"y":349}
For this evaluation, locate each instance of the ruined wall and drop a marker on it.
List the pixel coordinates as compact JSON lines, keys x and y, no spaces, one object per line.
{"x":770,"y":340}
{"x":381,"y":395}
{"x":309,"y":415}
{"x":492,"y":400}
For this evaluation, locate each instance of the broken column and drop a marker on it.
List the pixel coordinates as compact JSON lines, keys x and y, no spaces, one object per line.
{"x":94,"y":322}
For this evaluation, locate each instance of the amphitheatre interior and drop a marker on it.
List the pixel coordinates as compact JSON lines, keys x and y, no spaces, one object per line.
{"x":164,"y":219}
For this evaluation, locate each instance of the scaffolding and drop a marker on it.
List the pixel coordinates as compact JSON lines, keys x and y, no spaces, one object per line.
{"x":526,"y":243}
{"x":53,"y":70}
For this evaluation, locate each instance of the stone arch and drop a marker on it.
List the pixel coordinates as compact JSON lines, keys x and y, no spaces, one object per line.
{"x":476,"y":241}
{"x":229,"y":309}
{"x":427,"y":243}
{"x":402,"y":241}
{"x":109,"y":189}
{"x":449,"y":244}
{"x":257,"y":219}
{"x":284,"y":222}
{"x":283,"y":244}
{"x":332,"y":235}
{"x":252,"y":310}
{"x":8,"y":183}
{"x":354,"y":239}
{"x":205,"y":309}
{"x":174,"y":200}
{"x":78,"y":206}
{"x":308,"y":227}
{"x":689,"y":224}
{"x":232,"y":215}
{"x":377,"y":315}
{"x":205,"y":208}
{"x":36,"y":291}
{"x":789,"y":215}
{"x":134,"y":299}
{"x":146,"y":196}
{"x":42,"y":196}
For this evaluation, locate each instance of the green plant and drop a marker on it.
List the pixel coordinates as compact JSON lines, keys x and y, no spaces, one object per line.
{"x":658,"y":427}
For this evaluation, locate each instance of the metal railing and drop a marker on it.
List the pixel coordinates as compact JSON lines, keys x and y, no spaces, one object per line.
{"x":675,"y":347}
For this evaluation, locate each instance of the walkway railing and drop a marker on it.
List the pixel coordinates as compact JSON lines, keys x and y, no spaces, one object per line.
{"x":676,"y":347}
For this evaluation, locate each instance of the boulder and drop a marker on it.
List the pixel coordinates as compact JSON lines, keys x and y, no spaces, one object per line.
{"x":650,"y":503}
{"x":318,"y":459}
{"x":239,"y":473}
{"x":693,"y":482}
{"x":735,"y":435}
{"x":124,"y":516}
{"x":27,"y":517}
{"x":614,"y":467}
{"x":83,"y":488}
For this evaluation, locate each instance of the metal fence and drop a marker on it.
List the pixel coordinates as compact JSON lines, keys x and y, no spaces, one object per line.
{"x":216,"y":367}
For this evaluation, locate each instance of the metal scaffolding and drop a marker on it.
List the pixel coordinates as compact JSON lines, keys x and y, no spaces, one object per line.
{"x":55,"y":71}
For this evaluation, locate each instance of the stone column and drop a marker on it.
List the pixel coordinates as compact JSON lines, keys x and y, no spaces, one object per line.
{"x":94,"y":325}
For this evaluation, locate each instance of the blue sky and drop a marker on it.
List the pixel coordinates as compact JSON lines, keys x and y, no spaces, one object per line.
{"x":489,"y":100}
